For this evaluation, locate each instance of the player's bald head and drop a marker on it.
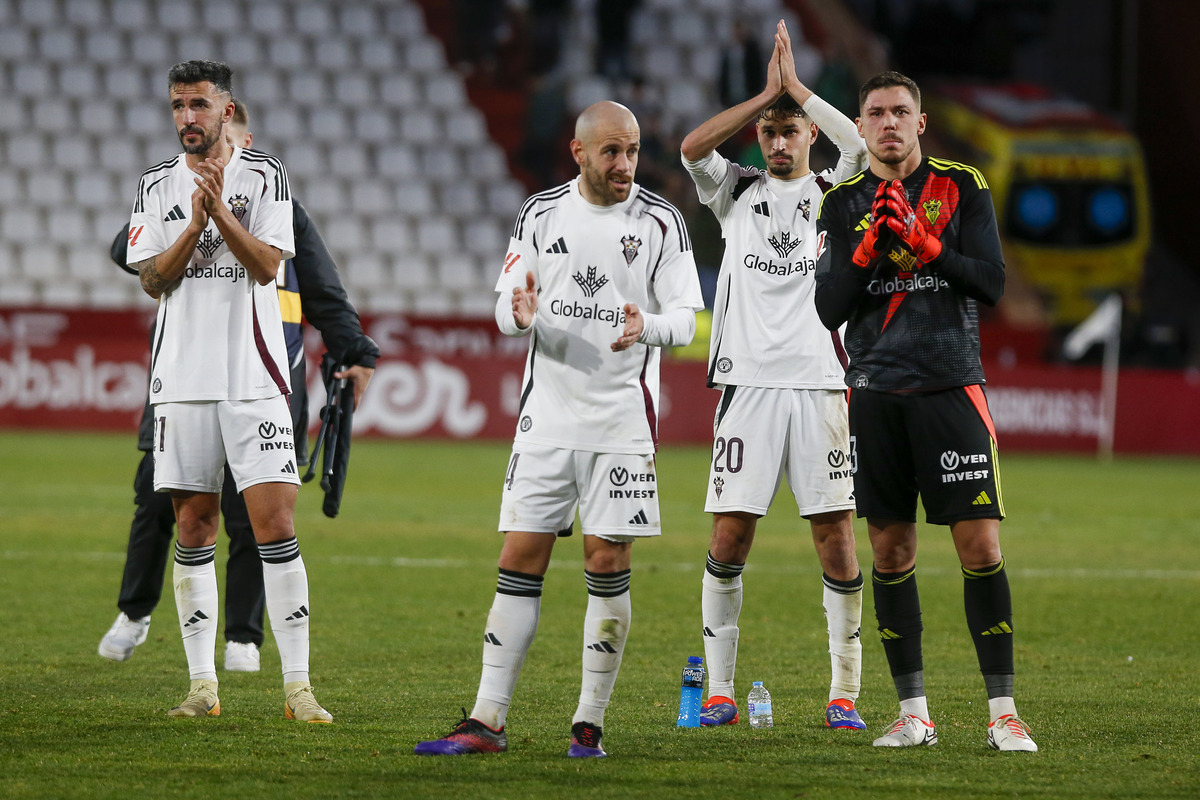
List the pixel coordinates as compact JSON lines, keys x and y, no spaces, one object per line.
{"x":602,"y":119}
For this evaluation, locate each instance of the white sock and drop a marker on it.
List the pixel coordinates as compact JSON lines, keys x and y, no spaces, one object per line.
{"x":843,"y":615}
{"x":720,"y":607}
{"x":286,"y":584}
{"x":1000,"y":706}
{"x":511,"y":625}
{"x":605,"y":629}
{"x":917,"y":706}
{"x":195,"y":580}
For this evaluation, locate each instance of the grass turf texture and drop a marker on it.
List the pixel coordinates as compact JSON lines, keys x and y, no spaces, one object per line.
{"x":1104,"y":563}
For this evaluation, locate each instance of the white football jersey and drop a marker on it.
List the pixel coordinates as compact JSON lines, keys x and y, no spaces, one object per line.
{"x":765,"y":328}
{"x":219,"y":334}
{"x":588,"y":261}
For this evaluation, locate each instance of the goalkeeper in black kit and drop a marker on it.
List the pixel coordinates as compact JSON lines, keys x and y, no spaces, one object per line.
{"x":906,"y":251}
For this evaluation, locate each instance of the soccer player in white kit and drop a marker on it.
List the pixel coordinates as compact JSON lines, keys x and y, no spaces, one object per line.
{"x":209,"y":230}
{"x":783,"y":405}
{"x":600,"y":275}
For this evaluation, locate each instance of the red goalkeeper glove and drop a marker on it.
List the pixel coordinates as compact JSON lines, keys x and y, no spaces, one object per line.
{"x":902,"y":221}
{"x":872,"y":245}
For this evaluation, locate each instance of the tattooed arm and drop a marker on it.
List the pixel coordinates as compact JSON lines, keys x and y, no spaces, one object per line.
{"x":162,"y":272}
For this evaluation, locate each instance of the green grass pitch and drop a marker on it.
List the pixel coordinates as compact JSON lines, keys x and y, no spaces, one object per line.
{"x":1104,"y":562}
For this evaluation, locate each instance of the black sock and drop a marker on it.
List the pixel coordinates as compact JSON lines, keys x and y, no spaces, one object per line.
{"x":988,"y":603}
{"x":898,"y":612}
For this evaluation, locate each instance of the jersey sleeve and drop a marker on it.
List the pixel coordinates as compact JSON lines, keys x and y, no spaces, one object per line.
{"x":716,"y":177}
{"x":520,"y":260}
{"x":674,"y":280}
{"x":839,"y":282}
{"x":977,"y":268}
{"x":843,"y":133}
{"x":147,"y":231}
{"x":272,"y":223}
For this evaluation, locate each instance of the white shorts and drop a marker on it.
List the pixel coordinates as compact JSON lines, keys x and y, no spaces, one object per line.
{"x":193,"y":441}
{"x":616,"y":493}
{"x":762,"y":434}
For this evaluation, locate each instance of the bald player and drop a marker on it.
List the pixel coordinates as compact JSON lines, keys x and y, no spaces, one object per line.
{"x":600,"y":275}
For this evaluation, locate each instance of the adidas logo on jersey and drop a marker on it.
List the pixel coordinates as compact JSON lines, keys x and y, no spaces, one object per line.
{"x":558,"y":247}
{"x":761,"y":208}
{"x":289,"y":468}
{"x":982,"y":500}
{"x":640,"y":518}
{"x":176,"y":214}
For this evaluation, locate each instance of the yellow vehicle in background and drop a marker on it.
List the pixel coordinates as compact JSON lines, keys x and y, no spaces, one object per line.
{"x":1069,"y":185}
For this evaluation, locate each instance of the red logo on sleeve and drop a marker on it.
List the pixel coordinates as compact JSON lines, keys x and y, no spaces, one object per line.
{"x":510,"y":261}
{"x":134,"y":233}
{"x":820,"y":243}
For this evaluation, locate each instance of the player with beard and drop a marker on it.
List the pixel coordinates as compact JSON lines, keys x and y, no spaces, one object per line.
{"x":909,"y":247}
{"x":600,"y":275}
{"x":209,"y":231}
{"x":783,"y":404}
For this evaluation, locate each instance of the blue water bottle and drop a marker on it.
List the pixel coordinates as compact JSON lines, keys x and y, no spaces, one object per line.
{"x":689,"y":693}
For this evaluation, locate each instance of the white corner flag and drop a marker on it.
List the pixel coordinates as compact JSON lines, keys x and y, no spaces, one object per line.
{"x":1103,"y":325}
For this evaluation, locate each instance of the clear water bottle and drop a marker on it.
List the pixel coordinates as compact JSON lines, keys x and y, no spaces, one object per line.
{"x":689,"y":693}
{"x":759,"y":706}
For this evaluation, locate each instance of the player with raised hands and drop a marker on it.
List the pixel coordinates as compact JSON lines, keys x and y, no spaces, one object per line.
{"x":782,"y":411}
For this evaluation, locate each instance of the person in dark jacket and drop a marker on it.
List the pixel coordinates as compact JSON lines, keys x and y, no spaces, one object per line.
{"x":310,"y":283}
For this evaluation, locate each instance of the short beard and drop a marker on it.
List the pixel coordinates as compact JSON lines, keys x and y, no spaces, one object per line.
{"x":780,"y":171}
{"x":205,"y":146}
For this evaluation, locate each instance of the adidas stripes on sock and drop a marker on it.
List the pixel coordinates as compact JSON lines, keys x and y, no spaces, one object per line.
{"x":843,"y":614}
{"x":898,"y":612}
{"x":605,"y":629}
{"x":285,"y":582}
{"x":511,"y":625}
{"x":195,"y":581}
{"x":720,"y":607}
{"x":988,"y":603}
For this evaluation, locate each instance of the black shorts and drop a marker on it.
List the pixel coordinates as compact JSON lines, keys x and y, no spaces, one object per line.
{"x":941,"y":445}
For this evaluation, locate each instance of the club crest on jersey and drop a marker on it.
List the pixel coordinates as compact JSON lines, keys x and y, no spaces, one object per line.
{"x":631,"y":244}
{"x":805,"y":207}
{"x":592,"y":283}
{"x":933,"y":210}
{"x":209,"y":243}
{"x":718,"y":485}
{"x":784,"y":244}
{"x":237,"y":204}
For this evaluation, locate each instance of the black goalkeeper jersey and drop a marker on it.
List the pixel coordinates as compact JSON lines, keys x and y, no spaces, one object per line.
{"x":911,"y":328}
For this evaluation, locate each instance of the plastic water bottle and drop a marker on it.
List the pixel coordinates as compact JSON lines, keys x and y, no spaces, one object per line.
{"x":759,"y":706}
{"x":689,"y":693}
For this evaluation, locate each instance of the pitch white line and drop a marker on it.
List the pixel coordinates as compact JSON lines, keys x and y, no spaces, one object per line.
{"x":400,"y":562}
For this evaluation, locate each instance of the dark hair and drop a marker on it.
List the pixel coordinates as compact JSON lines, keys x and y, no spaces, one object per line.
{"x":886,"y":80}
{"x":200,"y":71}
{"x":785,"y":107}
{"x":241,"y":115}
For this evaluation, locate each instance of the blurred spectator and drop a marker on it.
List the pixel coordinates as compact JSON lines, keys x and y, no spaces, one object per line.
{"x":547,"y":30}
{"x":612,"y":38}
{"x":742,"y":68}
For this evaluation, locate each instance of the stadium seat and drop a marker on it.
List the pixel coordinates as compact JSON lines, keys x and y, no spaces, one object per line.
{"x":176,"y":16}
{"x":195,"y":45}
{"x":22,"y":225}
{"x":404,"y":19}
{"x":105,"y":47}
{"x":323,"y":196}
{"x":37,"y":12}
{"x":421,"y":127}
{"x":132,"y":15}
{"x":67,"y":225}
{"x":85,"y":13}
{"x":445,"y":91}
{"x":436,"y":302}
{"x":335,"y":55}
{"x":370,"y":196}
{"x":358,"y":20}
{"x":315,"y":19}
{"x":437,"y":235}
{"x":53,"y":115}
{"x":400,"y":91}
{"x":122,"y":155}
{"x":33,"y":80}
{"x":441,"y":163}
{"x":457,"y":270}
{"x":267,"y":17}
{"x":425,"y":56}
{"x":265,"y":88}
{"x":463,"y":199}
{"x":366,"y":270}
{"x":124,"y":81}
{"x":373,"y":125}
{"x":326,"y":123}
{"x":48,"y":189}
{"x":58,"y":45}
{"x":27,"y":149}
{"x":224,"y":16}
{"x":80,"y":81}
{"x":12,"y":188}
{"x":378,"y":55}
{"x":18,"y":292}
{"x":391,"y":235}
{"x":288,"y":53}
{"x":412,"y":272}
{"x":44,"y":262}
{"x":94,"y":190}
{"x":15,"y":44}
{"x":280,"y":123}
